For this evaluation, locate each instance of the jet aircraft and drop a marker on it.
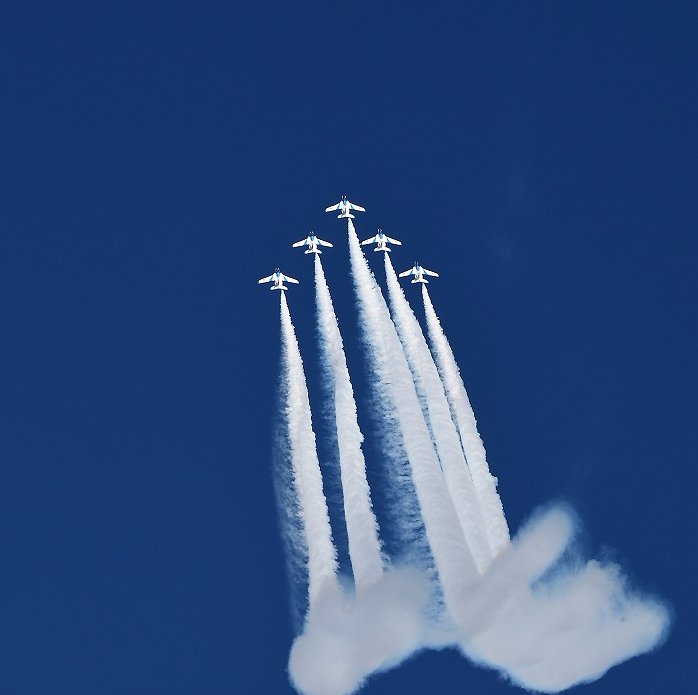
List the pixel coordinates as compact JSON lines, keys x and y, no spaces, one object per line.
{"x":311,"y":241}
{"x":344,"y":206}
{"x":419,"y":273}
{"x":381,"y":240}
{"x":278,"y":278}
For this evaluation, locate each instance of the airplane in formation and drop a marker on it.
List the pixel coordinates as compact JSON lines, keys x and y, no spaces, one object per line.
{"x":419,"y":272}
{"x":278,"y":278}
{"x":344,"y":206}
{"x":381,"y":240}
{"x":312,"y":242}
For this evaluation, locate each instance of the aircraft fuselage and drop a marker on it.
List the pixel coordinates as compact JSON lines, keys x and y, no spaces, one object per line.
{"x":344,"y":208}
{"x":312,"y":246}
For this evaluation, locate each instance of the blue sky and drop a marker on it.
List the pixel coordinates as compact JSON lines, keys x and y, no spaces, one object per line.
{"x":156,"y":162}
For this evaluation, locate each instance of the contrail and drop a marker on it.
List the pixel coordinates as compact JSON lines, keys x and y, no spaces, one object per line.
{"x":362,"y":528}
{"x":448,"y":445}
{"x":548,"y":623}
{"x":454,"y":562}
{"x":322,"y":555}
{"x":485,"y":484}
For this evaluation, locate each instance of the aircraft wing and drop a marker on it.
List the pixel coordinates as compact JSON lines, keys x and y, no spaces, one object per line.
{"x":393,"y":241}
{"x":370,"y":241}
{"x":406,"y":273}
{"x":356,"y":207}
{"x":268,"y":279}
{"x":332,"y":207}
{"x":324,"y":243}
{"x":290,"y":279}
{"x":302,"y":242}
{"x":430,"y":272}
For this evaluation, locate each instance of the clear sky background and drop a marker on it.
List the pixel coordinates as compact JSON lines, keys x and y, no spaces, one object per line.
{"x":156,"y":160}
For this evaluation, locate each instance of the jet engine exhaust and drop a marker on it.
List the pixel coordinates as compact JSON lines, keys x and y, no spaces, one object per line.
{"x":322,"y":555}
{"x":362,"y":527}
{"x":448,"y":446}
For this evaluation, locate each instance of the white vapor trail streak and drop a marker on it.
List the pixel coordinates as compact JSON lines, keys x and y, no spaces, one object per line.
{"x":448,"y":445}
{"x":454,"y":562}
{"x":485,"y":484}
{"x":550,"y":633}
{"x":322,"y":555}
{"x":362,"y":527}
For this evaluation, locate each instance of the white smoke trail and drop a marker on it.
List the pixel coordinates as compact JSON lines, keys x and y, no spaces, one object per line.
{"x":485,"y":484}
{"x":542,"y":625}
{"x":322,"y":555}
{"x":404,"y":537}
{"x":362,"y":528}
{"x":452,"y":557}
{"x":548,"y":634}
{"x":448,"y":445}
{"x":349,"y":638}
